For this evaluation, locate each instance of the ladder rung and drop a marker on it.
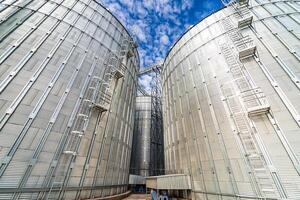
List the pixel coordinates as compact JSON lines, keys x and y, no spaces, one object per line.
{"x":260,"y":169}
{"x":97,"y":77}
{"x":70,"y":153}
{"x":267,"y":190}
{"x":76,"y":132}
{"x":82,"y":115}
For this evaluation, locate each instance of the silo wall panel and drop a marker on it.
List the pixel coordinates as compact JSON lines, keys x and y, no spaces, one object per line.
{"x":48,"y":63}
{"x":206,"y":105}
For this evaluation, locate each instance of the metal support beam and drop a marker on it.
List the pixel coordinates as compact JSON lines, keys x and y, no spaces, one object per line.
{"x":156,"y":67}
{"x":142,"y":90}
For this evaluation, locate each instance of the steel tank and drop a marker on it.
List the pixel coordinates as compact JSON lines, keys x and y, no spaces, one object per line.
{"x":147,"y":158}
{"x":231,"y":102}
{"x":67,"y":98}
{"x":140,"y":158}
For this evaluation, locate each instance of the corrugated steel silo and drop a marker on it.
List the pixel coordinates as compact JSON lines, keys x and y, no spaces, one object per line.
{"x":67,"y":92}
{"x":231,"y":102}
{"x":147,"y":157}
{"x":140,"y":158}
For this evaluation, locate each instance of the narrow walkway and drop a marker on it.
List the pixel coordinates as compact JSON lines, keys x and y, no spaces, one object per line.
{"x":137,"y":197}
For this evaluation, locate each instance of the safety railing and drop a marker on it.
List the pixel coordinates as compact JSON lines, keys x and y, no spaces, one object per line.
{"x":245,"y":46}
{"x":103,"y":100}
{"x":255,"y":101}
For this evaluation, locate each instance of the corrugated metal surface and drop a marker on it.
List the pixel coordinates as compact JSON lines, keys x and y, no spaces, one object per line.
{"x":231,"y":102}
{"x":146,"y":157}
{"x":140,"y":158}
{"x":67,"y":93}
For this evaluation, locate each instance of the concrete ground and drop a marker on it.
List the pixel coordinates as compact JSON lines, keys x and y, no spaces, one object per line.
{"x":137,"y":197}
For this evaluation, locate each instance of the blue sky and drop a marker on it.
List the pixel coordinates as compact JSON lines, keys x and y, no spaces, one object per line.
{"x":157,"y":24}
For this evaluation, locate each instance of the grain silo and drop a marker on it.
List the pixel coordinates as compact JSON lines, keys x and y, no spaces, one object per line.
{"x":67,"y":92}
{"x":231,"y":103}
{"x":147,"y":157}
{"x":140,"y":159}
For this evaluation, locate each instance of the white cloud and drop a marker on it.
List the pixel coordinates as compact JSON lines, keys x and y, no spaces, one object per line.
{"x":128,"y":3}
{"x":145,"y":81}
{"x":148,"y":4}
{"x":154,"y":23}
{"x":186,"y":4}
{"x":164,"y":40}
{"x":138,"y":31}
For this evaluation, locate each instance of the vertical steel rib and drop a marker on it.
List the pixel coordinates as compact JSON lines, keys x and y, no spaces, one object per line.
{"x":35,"y":110}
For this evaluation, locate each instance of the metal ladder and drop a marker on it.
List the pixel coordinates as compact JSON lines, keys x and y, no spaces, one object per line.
{"x":251,"y":98}
{"x":244,"y":44}
{"x":90,"y":101}
{"x":126,"y":51}
{"x":116,"y":69}
{"x":252,"y":101}
{"x":79,"y":126}
{"x":245,"y":18}
{"x":98,"y":96}
{"x":103,"y":100}
{"x":253,"y":154}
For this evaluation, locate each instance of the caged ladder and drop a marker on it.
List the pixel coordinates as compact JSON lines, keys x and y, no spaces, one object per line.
{"x":253,"y":98}
{"x":97,"y":97}
{"x":239,"y":112}
{"x":244,"y":44}
{"x":117,"y":66}
{"x":245,"y":18}
{"x":71,"y":146}
{"x":264,"y":184}
{"x":250,"y":101}
{"x":125,"y":53}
